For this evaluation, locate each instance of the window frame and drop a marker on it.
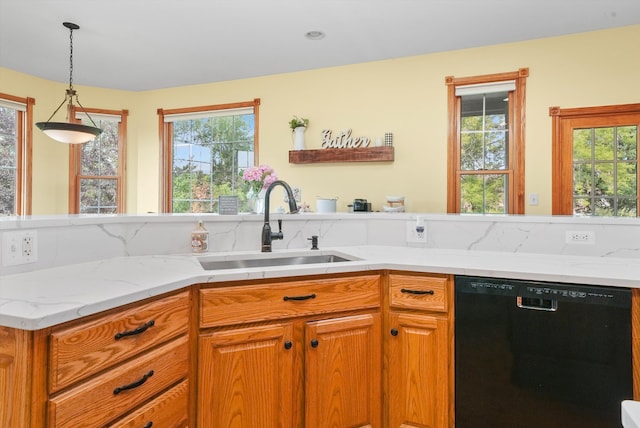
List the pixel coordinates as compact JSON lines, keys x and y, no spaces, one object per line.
{"x":75,"y":160}
{"x":24,"y":173}
{"x":165,"y":131}
{"x":562,"y":121}
{"x":517,"y":101}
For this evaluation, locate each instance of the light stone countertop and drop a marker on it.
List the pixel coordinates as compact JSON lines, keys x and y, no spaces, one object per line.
{"x":43,"y":298}
{"x":630,"y":414}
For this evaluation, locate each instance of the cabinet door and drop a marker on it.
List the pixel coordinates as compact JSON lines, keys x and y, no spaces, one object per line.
{"x":343,"y":366}
{"x":245,"y":377}
{"x":418,"y":371}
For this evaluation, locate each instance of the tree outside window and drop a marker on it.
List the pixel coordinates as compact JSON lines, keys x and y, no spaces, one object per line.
{"x":595,"y":160}
{"x":486,"y":143}
{"x":209,"y":156}
{"x":484,"y":160}
{"x":205,"y":151}
{"x":97,"y":167}
{"x":15,"y":154}
{"x":605,"y":171}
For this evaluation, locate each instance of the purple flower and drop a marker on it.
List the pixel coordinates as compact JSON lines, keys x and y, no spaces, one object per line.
{"x":259,"y":177}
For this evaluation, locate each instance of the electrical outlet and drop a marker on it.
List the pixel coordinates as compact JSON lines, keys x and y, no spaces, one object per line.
{"x":416,"y":231}
{"x":19,"y":247}
{"x":580,"y":237}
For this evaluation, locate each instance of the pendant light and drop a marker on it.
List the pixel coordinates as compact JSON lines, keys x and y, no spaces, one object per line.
{"x":69,"y":132}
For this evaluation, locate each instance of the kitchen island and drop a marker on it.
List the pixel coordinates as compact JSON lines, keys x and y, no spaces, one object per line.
{"x":59,"y":322}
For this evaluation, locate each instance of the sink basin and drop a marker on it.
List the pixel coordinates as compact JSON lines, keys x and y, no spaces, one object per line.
{"x":216,"y":264}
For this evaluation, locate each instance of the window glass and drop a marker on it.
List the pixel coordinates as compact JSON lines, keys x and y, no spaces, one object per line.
{"x":209,"y":155}
{"x":8,"y":160}
{"x":483,"y":193}
{"x":484,"y":148}
{"x":15,"y":154}
{"x":605,"y":171}
{"x":99,"y":168}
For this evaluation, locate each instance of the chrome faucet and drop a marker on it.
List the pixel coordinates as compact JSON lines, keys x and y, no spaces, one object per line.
{"x":267,"y":235}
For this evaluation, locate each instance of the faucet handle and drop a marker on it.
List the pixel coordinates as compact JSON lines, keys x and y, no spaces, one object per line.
{"x":314,"y":242}
{"x":279,"y":225}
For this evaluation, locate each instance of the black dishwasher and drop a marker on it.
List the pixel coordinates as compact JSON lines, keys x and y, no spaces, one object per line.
{"x":540,"y":354}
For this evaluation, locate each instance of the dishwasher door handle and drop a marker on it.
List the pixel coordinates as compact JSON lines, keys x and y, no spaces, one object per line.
{"x":536,"y":304}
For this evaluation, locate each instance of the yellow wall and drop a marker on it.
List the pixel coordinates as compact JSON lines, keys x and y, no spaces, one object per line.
{"x":406,"y":96}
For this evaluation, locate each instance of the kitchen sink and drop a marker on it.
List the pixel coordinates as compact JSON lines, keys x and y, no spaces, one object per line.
{"x":276,"y":260}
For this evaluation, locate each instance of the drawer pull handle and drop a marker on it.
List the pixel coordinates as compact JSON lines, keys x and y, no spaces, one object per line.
{"x":148,"y":425}
{"x":288,"y":344}
{"x":394,"y":332}
{"x":314,"y":343}
{"x":307,"y":297}
{"x":138,"y":330}
{"x":133,"y":385}
{"x":420,"y":292}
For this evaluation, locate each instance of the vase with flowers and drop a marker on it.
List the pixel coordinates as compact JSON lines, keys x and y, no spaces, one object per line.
{"x":258,"y":179}
{"x":298,"y":126}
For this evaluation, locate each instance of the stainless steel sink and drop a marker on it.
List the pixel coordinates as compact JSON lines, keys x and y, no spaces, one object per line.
{"x":217,"y":264}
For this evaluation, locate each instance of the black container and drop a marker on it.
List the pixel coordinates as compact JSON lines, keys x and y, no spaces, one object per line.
{"x":360,"y":205}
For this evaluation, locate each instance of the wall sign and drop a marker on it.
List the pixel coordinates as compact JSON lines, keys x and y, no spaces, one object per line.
{"x":343,"y":140}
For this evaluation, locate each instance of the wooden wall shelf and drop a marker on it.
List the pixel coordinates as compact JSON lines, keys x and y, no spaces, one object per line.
{"x":367,"y":154}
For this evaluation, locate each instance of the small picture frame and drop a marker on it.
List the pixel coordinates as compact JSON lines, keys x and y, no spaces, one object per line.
{"x":227,"y":205}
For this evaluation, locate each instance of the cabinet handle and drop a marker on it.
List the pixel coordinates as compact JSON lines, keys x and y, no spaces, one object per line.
{"x":394,"y":332}
{"x":135,"y":384}
{"x":409,"y":291}
{"x":314,"y":343}
{"x":288,"y":344}
{"x":138,"y":330}
{"x":306,"y":297}
{"x":148,"y":424}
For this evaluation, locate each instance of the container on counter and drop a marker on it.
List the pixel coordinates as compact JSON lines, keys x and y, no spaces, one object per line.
{"x":326,"y":205}
{"x":200,"y":239}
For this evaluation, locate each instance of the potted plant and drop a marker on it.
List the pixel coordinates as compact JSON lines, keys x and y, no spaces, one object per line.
{"x":297,"y":122}
{"x":298,"y":126}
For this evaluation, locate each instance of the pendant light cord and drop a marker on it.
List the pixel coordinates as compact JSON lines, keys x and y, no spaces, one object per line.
{"x":71,"y":58}
{"x":71,"y":93}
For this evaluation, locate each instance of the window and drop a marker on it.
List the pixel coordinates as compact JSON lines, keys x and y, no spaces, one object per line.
{"x":96,"y":177}
{"x":486,"y":143}
{"x":16,"y":125}
{"x":595,"y":160}
{"x":204,"y":151}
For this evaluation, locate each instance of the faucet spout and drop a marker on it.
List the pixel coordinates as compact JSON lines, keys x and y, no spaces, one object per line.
{"x":267,"y":234}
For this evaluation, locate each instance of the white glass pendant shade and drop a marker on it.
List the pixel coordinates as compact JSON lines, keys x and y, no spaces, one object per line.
{"x":69,"y":133}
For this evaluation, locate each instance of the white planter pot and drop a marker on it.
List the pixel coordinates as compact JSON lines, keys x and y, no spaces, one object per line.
{"x":298,"y":138}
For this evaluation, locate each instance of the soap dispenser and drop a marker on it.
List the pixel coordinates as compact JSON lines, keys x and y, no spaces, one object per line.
{"x":200,"y":239}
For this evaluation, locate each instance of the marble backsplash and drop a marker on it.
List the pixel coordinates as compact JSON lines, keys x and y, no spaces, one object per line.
{"x":64,"y":240}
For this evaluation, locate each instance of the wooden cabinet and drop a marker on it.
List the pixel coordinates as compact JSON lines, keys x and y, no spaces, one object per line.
{"x":168,"y":410}
{"x":420,"y":344}
{"x":86,"y":348}
{"x":342,"y":372}
{"x":314,"y":345}
{"x":105,"y":367}
{"x":127,"y":367}
{"x":16,"y":381}
{"x":246,"y":377}
{"x":299,"y":352}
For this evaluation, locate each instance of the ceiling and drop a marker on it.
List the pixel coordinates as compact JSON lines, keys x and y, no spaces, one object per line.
{"x":140,"y":45}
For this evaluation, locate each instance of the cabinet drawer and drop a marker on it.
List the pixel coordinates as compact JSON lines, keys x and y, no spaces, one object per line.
{"x":250,"y":303}
{"x":117,"y":391}
{"x":419,"y":292}
{"x":170,"y":410}
{"x":80,"y":351}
